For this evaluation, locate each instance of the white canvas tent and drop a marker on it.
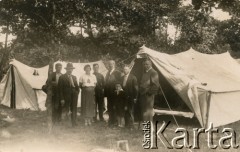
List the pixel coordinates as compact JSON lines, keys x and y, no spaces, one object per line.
{"x":20,"y":83}
{"x":208,"y":84}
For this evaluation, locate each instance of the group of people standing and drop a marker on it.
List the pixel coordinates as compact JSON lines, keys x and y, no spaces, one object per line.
{"x":122,"y":91}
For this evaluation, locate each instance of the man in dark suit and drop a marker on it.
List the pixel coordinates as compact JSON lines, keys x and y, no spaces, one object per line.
{"x":57,"y":109}
{"x":68,"y":92}
{"x":55,"y":105}
{"x":113,"y":76}
{"x":99,"y":92}
{"x":148,"y":88}
{"x":130,"y":87}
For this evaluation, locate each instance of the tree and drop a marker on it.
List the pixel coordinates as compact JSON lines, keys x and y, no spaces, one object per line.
{"x":9,"y":20}
{"x":115,"y":28}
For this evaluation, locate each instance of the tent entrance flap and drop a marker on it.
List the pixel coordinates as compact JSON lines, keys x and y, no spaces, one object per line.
{"x":174,"y":100}
{"x":13,"y":90}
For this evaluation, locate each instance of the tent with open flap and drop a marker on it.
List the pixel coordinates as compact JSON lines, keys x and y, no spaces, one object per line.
{"x":209,"y":85}
{"x":21,"y":86}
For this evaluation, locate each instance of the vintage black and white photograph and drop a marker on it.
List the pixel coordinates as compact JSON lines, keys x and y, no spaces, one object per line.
{"x":119,"y":75}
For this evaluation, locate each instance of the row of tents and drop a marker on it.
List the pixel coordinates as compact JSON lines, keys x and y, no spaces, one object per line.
{"x":209,"y":85}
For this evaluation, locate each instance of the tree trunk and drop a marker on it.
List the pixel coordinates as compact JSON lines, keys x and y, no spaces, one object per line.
{"x":49,"y":97}
{"x":52,"y":30}
{"x":176,"y":32}
{"x":6,"y":38}
{"x":4,"y":63}
{"x":89,"y":29}
{"x":49,"y":105}
{"x":166,"y":34}
{"x":5,"y":57}
{"x":81,"y":29}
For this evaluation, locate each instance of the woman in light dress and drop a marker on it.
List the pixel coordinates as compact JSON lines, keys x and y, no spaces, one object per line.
{"x":87,"y":83}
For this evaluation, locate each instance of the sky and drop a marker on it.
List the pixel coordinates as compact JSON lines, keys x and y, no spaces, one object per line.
{"x":216,"y":13}
{"x":10,"y":38}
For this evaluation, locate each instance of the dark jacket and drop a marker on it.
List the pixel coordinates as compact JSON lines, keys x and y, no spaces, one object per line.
{"x":100,"y":84}
{"x":54,"y":86}
{"x":119,"y":102}
{"x":65,"y":88}
{"x":110,"y":82}
{"x":149,"y":83}
{"x":55,"y":91}
{"x":131,"y":88}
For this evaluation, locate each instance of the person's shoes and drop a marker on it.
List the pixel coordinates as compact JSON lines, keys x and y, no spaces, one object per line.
{"x":120,"y":126}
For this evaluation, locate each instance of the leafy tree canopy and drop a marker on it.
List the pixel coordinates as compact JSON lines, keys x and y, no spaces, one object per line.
{"x":115,"y":28}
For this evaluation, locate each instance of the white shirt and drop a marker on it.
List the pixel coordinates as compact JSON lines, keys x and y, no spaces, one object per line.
{"x":148,"y":70}
{"x":88,"y":80}
{"x":111,"y":71}
{"x":125,"y":77}
{"x":71,"y":80}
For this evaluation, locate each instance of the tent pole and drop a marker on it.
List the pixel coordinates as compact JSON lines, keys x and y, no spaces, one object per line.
{"x":13,"y":91}
{"x":208,"y":108}
{"x":168,"y":104}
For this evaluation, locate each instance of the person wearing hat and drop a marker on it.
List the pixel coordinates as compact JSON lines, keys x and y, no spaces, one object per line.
{"x":68,"y":92}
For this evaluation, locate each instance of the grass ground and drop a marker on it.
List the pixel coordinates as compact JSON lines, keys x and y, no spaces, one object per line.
{"x":29,"y":134}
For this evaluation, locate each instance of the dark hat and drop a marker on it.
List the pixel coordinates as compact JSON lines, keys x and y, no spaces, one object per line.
{"x":69,"y":66}
{"x":58,"y":65}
